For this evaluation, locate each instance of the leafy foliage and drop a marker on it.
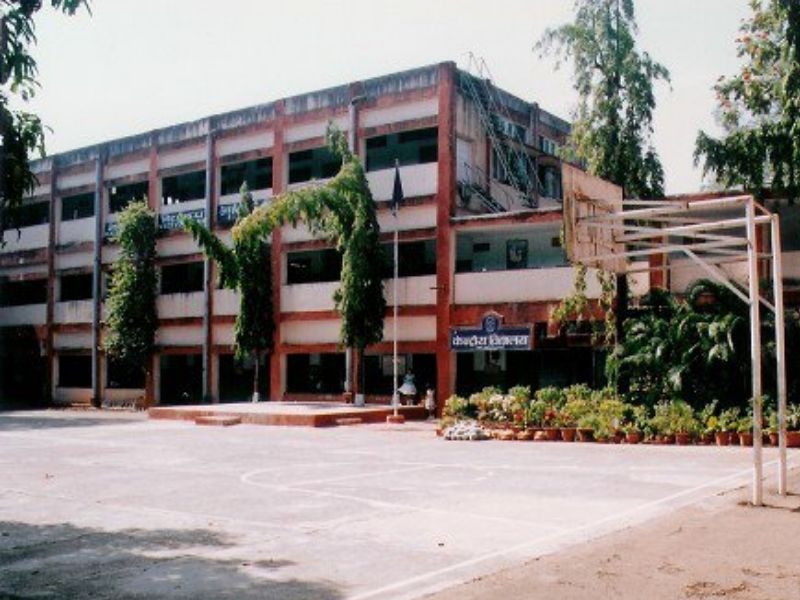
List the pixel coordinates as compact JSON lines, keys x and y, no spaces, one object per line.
{"x":21,"y":133}
{"x":132,"y":319}
{"x":613,"y":125}
{"x":759,"y":107}
{"x":343,"y":211}
{"x":673,"y":348}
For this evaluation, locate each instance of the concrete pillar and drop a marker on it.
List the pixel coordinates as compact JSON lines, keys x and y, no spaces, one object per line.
{"x":279,"y":177}
{"x":97,"y":272}
{"x":208,"y":274}
{"x":52,"y":232}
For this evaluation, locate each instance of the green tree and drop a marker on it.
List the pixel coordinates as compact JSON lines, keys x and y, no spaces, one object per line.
{"x":246,"y":268}
{"x":759,"y":107}
{"x":343,"y":212}
{"x":132,"y":319}
{"x":613,"y":125}
{"x":21,"y":132}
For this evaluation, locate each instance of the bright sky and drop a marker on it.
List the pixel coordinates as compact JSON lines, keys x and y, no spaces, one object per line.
{"x":136,"y":65}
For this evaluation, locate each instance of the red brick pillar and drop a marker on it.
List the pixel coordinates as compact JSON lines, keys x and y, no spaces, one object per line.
{"x":445,"y":197}
{"x":276,"y":383}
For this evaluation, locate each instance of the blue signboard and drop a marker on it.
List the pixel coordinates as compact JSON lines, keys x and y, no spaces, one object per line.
{"x":171,"y":221}
{"x":490,"y":335}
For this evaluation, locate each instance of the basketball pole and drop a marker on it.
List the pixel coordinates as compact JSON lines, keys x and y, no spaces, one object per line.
{"x":755,"y":352}
{"x":780,"y":349}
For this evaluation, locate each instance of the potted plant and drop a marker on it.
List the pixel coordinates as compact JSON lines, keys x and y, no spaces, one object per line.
{"x":587,"y":425}
{"x":571,"y":414}
{"x":745,"y":430}
{"x":727,"y":423}
{"x":708,"y":423}
{"x":682,"y":422}
{"x":567,"y":425}
{"x":636,"y":424}
{"x":793,"y":426}
{"x":534,"y":415}
{"x":661,"y":424}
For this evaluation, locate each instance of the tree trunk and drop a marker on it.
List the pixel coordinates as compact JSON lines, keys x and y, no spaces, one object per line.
{"x":256,"y":361}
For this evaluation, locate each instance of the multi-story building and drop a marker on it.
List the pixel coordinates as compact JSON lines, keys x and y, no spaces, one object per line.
{"x":479,"y":235}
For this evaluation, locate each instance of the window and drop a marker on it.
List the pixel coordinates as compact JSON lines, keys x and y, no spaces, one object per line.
{"x":414,"y":147}
{"x":183,"y":188}
{"x":549,"y":146}
{"x":313,"y":266}
{"x":33,"y":213}
{"x":79,"y":206}
{"x":182,"y":278}
{"x":257,"y":174}
{"x":121,"y":195}
{"x":317,"y":163}
{"x":20,"y":293}
{"x":75,"y":371}
{"x":415,"y":258}
{"x":76,"y":287}
{"x":122,"y":375}
{"x":531,"y":248}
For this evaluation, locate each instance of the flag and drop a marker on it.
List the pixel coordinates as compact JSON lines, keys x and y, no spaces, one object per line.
{"x":397,"y":192}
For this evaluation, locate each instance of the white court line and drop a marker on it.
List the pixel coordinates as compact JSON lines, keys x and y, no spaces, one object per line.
{"x":586,"y":528}
{"x":247,"y":479}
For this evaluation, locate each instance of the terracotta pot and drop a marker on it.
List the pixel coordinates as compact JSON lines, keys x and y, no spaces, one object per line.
{"x":568,"y":434}
{"x":683,"y":439}
{"x":745,"y":439}
{"x":439,"y":431}
{"x":668,"y":439}
{"x":618,"y":437}
{"x":540,"y":436}
{"x":633,"y":437}
{"x":585,"y":434}
{"x":552,"y":434}
{"x":773,"y":438}
{"x":722,"y":438}
{"x":793,"y":439}
{"x":734,"y":435}
{"x":706,"y":439}
{"x":524,"y":436}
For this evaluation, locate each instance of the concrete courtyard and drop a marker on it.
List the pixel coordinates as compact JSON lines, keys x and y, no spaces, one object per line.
{"x":112,"y":505}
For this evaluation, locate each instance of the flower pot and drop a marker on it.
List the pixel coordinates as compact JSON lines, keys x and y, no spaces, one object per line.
{"x":706,"y":439}
{"x":773,"y":438}
{"x":618,"y":437}
{"x":745,"y":438}
{"x":668,"y":439}
{"x":551,"y":434}
{"x":683,"y":439}
{"x":793,"y":439}
{"x":722,"y":438}
{"x":524,"y":436}
{"x":568,"y":434}
{"x":633,"y":437}
{"x":585,"y":434}
{"x":540,"y":436}
{"x":734,"y":435}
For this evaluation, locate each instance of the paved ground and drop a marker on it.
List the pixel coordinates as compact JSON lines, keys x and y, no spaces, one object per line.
{"x":114,"y":506}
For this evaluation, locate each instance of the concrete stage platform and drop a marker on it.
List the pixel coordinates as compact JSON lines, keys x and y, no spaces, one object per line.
{"x":296,"y":414}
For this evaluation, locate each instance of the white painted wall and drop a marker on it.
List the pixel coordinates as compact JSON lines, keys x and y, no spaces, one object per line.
{"x":308,"y":296}
{"x":174,"y":246}
{"x":527,"y":285}
{"x":245,"y":143}
{"x":223,"y":334}
{"x":28,"y":238}
{"x":396,"y":114}
{"x":166,"y":209}
{"x":684,"y":272}
{"x":226,"y":302}
{"x":791,"y":264}
{"x":175,"y":335}
{"x":310,"y":332}
{"x":417,"y":180}
{"x":65,"y":182}
{"x":72,"y":340}
{"x":77,"y":230}
{"x":72,"y":395}
{"x":411,"y":329}
{"x":174,"y":306}
{"x":75,"y":311}
{"x":176,"y":158}
{"x":412,"y":291}
{"x":28,"y":314}
{"x":311,"y":130}
{"x":126,"y":169}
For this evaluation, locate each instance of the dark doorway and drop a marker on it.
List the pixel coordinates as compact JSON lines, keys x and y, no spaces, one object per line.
{"x":236,"y":379}
{"x":181,"y":379}
{"x":22,"y":369}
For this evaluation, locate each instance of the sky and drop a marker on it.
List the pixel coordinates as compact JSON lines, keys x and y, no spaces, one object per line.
{"x":136,"y":65}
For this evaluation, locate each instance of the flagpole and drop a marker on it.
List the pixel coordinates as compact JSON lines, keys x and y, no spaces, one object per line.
{"x":395,"y":398}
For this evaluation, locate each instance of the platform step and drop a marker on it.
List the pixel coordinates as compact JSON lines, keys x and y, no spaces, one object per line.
{"x":218,"y":421}
{"x":349,"y":421}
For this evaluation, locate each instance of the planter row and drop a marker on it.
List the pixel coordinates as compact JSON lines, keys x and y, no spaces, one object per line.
{"x":572,"y":434}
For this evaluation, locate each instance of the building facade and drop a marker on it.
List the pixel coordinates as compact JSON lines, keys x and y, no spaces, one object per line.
{"x":479,"y":237}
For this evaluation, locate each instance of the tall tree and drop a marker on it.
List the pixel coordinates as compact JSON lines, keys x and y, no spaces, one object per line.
{"x":246,"y":268}
{"x":21,"y":132}
{"x":759,"y":107}
{"x":613,"y":125}
{"x":132,"y":319}
{"x":343,"y":211}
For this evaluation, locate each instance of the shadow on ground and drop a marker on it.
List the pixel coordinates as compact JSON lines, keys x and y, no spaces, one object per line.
{"x":64,"y":561}
{"x":54,"y":419}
